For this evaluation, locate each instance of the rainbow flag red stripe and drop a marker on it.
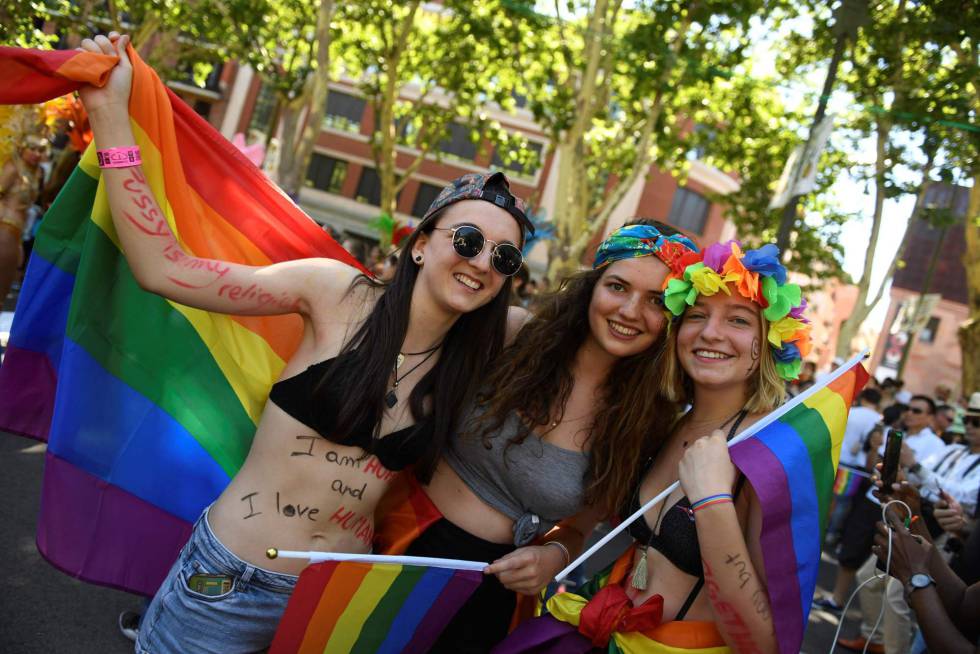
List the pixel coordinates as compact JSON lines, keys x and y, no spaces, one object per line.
{"x":365,"y":609}
{"x":148,"y":406}
{"x":791,"y":465}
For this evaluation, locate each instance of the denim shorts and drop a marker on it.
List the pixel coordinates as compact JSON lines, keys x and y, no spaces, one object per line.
{"x":243,"y":619}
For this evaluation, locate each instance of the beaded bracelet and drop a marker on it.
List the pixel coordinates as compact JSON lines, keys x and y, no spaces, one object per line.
{"x":720,"y":498}
{"x":119,"y":157}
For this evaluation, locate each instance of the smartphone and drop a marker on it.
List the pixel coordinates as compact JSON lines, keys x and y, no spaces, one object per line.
{"x":889,"y":465}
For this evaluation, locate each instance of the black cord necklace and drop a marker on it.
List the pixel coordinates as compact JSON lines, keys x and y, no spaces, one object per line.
{"x":391,"y":398}
{"x":401,"y":355}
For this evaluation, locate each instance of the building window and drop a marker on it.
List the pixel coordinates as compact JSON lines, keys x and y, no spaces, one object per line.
{"x":262,"y":113}
{"x":689,"y":211}
{"x":516,"y":166}
{"x":459,"y":145}
{"x":369,"y":187}
{"x":928,"y":333}
{"x":344,"y":111}
{"x":326,"y":173}
{"x":424,"y":198}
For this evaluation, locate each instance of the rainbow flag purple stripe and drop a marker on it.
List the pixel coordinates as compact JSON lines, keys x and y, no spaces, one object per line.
{"x":791,"y":465}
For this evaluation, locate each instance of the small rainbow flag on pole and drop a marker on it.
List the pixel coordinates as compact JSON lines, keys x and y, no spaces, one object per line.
{"x":848,"y":480}
{"x":363,"y":608}
{"x":148,"y":407}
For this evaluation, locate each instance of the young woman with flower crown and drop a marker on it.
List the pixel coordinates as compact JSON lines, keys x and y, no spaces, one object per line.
{"x":696,"y":581}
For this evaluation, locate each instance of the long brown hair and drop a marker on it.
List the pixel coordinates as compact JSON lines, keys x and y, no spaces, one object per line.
{"x":534,"y":376}
{"x":374,"y":347}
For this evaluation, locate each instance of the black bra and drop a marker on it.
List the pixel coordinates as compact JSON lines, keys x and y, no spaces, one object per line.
{"x":678,"y":536}
{"x":295,"y":396}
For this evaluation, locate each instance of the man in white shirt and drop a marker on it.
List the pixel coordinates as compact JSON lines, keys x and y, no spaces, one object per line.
{"x":955,"y":469}
{"x":919,"y":436}
{"x":860,"y":422}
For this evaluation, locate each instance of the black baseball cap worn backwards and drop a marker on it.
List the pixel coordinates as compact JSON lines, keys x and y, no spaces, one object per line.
{"x":490,"y":187}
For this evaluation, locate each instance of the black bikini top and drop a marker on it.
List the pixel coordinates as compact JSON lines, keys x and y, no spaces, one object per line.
{"x":678,"y":537}
{"x":295,"y":396}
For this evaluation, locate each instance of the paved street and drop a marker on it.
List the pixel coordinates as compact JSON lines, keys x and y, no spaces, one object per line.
{"x":41,"y":609}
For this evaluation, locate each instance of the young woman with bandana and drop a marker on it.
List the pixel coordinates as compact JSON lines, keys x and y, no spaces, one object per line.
{"x":562,"y":410}
{"x":376,"y":384}
{"x":695,"y":579}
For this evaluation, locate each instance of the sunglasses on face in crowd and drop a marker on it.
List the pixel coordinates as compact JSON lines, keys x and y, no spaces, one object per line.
{"x":916,"y":410}
{"x":469,"y":241}
{"x":972,"y":421}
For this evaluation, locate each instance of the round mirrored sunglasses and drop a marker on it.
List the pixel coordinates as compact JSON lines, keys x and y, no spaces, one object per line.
{"x":469,"y":241}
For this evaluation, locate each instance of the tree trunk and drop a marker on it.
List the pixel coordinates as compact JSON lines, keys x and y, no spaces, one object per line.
{"x":384,"y":142}
{"x":862,"y":307}
{"x":576,"y":220}
{"x":297,"y":145}
{"x":970,"y":331}
{"x":572,"y":192}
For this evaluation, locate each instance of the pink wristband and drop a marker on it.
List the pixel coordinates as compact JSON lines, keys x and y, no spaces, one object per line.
{"x":119,"y":157}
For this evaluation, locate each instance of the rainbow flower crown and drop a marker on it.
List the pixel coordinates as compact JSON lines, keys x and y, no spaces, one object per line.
{"x":758,"y":276}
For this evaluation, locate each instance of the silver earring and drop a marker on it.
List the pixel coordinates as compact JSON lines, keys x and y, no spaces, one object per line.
{"x":418,"y":259}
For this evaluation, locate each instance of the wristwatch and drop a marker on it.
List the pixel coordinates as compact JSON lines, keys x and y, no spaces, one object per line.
{"x":918,"y":581}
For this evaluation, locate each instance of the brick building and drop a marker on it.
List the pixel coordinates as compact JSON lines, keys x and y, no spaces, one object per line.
{"x":934,"y":357}
{"x":342,"y":187}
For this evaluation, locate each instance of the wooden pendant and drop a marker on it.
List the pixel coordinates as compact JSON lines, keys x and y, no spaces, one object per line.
{"x":391,"y":399}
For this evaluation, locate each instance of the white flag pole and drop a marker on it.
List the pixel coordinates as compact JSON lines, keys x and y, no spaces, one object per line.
{"x":318,"y":557}
{"x":748,"y":433}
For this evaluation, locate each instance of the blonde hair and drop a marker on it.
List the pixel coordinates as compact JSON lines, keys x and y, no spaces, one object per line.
{"x":767,"y":388}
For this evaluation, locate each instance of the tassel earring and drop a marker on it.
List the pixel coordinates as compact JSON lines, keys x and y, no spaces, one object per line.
{"x":639,"y":580}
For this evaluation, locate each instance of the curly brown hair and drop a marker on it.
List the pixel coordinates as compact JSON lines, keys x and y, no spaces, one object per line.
{"x":533,"y":377}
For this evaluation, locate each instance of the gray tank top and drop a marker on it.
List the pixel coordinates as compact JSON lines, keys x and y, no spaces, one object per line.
{"x":534,"y":483}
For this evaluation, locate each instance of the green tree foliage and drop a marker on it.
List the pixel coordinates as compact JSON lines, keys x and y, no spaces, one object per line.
{"x":22,"y":21}
{"x":614,"y":84}
{"x":899,"y":77}
{"x":423,"y":69}
{"x":753,"y":136}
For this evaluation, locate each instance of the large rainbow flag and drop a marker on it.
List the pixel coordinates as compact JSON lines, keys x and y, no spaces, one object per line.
{"x":363,"y":608}
{"x":791,"y":464}
{"x":790,"y":457}
{"x":148,"y":407}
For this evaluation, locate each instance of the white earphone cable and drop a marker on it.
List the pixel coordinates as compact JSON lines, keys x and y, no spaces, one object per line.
{"x":875,"y":577}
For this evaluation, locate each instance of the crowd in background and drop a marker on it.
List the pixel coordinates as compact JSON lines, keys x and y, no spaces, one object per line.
{"x":939,"y":479}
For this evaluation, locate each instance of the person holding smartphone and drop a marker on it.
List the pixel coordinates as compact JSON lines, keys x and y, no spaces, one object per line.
{"x":944,"y":606}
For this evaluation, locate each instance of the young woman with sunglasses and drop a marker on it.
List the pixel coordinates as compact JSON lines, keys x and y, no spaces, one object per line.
{"x":738,"y":336}
{"x":564,"y":408}
{"x":376,"y":384}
